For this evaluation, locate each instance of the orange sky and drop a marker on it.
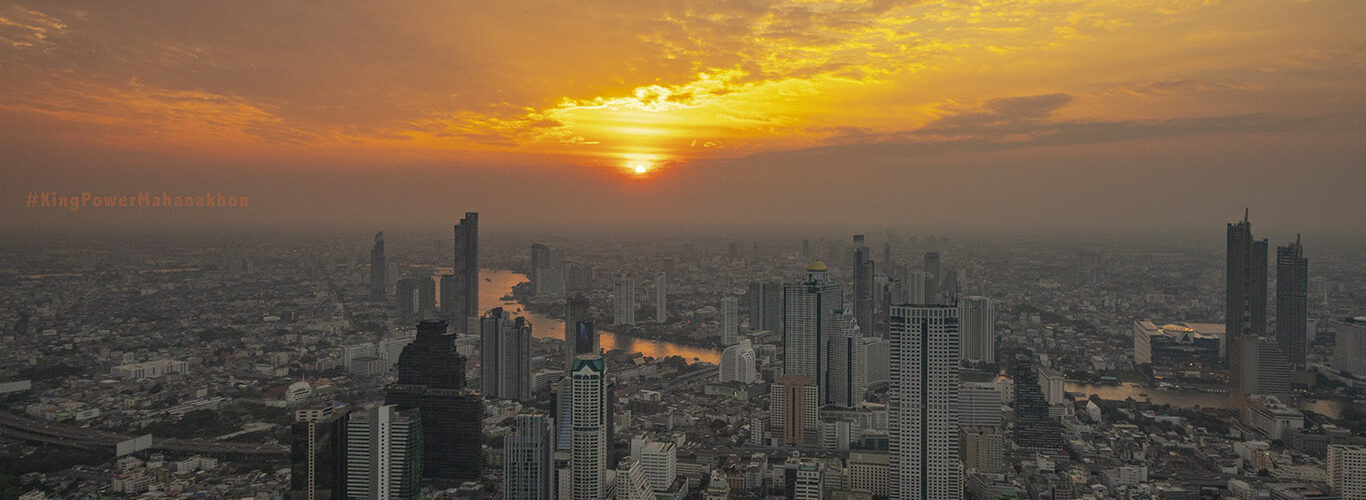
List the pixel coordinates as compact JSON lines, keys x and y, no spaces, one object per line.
{"x":675,"y":84}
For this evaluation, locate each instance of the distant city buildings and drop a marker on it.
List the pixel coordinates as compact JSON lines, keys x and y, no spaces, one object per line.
{"x":661,"y":297}
{"x":1349,"y":354}
{"x":863,"y":284}
{"x":1179,"y":350}
{"x":923,"y":427}
{"x":765,"y":302}
{"x":151,"y":369}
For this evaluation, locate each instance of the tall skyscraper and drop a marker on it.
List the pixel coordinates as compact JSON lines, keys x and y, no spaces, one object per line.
{"x":809,"y":317}
{"x":377,"y":268}
{"x":540,"y":262}
{"x":661,"y":297}
{"x":1292,"y":300}
{"x":431,"y":377}
{"x":765,"y":301}
{"x":505,"y":356}
{"x":384,"y":454}
{"x":978,"y":316}
{"x":794,"y":409}
{"x":1034,"y":429}
{"x":317,"y":453}
{"x":624,"y":310}
{"x":1244,"y":304}
{"x":846,"y":376}
{"x":737,"y":363}
{"x":447,"y":294}
{"x":730,"y":321}
{"x":863,"y":284}
{"x":465,"y":296}
{"x":426,"y":298}
{"x":922,"y":421}
{"x":580,"y":335}
{"x":589,"y":446}
{"x":527,"y":458}
{"x":932,"y":278}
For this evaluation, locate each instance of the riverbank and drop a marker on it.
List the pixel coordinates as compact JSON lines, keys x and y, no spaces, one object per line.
{"x":522,"y":292}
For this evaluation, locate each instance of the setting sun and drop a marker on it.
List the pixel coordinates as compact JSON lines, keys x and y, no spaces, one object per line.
{"x":640,"y":167}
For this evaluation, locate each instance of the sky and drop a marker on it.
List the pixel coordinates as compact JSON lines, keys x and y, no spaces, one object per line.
{"x":995,"y":115}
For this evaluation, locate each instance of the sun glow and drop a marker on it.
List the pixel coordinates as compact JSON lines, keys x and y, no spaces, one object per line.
{"x":640,"y":167}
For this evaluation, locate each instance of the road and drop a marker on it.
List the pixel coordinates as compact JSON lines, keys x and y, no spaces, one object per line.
{"x":80,"y":437}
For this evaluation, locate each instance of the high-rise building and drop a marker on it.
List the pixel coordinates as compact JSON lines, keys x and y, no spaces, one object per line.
{"x":426,"y":298}
{"x":406,"y":301}
{"x":1349,"y":354}
{"x":984,"y":449}
{"x":1244,"y":303}
{"x":465,"y":296}
{"x":659,"y":459}
{"x":923,"y":423}
{"x":1034,"y":429}
{"x":1265,"y":368}
{"x":1052,"y":384}
{"x":527,"y":458}
{"x":505,"y":356}
{"x":589,"y":421}
{"x":765,"y":302}
{"x":377,"y":268}
{"x":384,"y":454}
{"x":737,"y":363}
{"x":580,"y":335}
{"x":661,"y":297}
{"x":794,"y":409}
{"x":632,"y":483}
{"x":863,"y":284}
{"x":846,"y":376}
{"x":317,"y":453}
{"x":917,"y":286}
{"x":1292,"y":300}
{"x":431,"y":377}
{"x":730,"y":321}
{"x":809,"y":319}
{"x":932,"y":278}
{"x":979,"y":404}
{"x":1347,"y":470}
{"x":447,"y":294}
{"x":811,"y":481}
{"x":978,"y":315}
{"x":561,"y":406}
{"x":540,"y":265}
{"x":624,"y":310}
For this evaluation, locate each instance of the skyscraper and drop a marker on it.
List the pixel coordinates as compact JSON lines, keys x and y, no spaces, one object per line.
{"x":318,"y":453}
{"x":465,"y":296}
{"x":377,"y":268}
{"x":978,"y":316}
{"x":809,"y":319}
{"x":527,"y":455}
{"x":922,"y":421}
{"x":846,"y":376}
{"x":505,"y":356}
{"x":863,"y":284}
{"x":426,"y":298}
{"x":794,"y":409}
{"x":661,"y":297}
{"x":405,"y":293}
{"x":1244,"y":303}
{"x":1292,"y":300}
{"x":765,"y":301}
{"x":431,"y":377}
{"x":730,"y":321}
{"x":580,"y":336}
{"x":624,"y":312}
{"x":659,"y":460}
{"x":932,"y":278}
{"x":447,"y":294}
{"x":1349,"y":354}
{"x":589,"y":447}
{"x":737,"y":363}
{"x":540,"y":261}
{"x":384,"y":454}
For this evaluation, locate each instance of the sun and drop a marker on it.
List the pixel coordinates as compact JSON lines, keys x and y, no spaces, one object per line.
{"x":640,"y":167}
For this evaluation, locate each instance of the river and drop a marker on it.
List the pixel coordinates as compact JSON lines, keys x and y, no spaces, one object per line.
{"x":1186,"y":398}
{"x":495,"y":283}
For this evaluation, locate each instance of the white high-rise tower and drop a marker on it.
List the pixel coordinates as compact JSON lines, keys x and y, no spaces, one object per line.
{"x":737,"y":363}
{"x":588,"y":449}
{"x":923,"y":423}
